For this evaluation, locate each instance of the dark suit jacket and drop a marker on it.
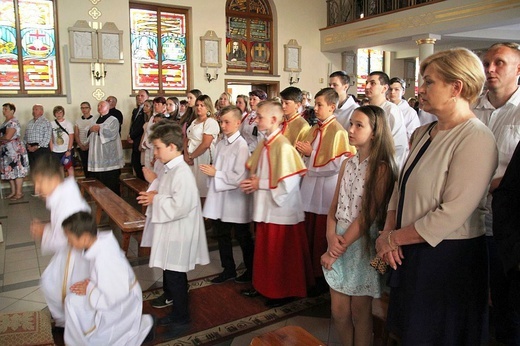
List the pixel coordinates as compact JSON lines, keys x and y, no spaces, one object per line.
{"x":136,"y":127}
{"x":117,"y":113}
{"x":506,"y":224}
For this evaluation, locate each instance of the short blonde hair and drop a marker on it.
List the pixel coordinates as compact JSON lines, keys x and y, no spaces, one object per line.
{"x":235,"y":112}
{"x":458,"y":64}
{"x":274,"y":109}
{"x":229,"y":97}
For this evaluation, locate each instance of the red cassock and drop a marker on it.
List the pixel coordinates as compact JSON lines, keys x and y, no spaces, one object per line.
{"x":282,"y":264}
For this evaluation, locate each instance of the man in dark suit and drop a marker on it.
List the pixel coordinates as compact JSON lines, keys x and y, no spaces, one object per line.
{"x":136,"y":132}
{"x":506,"y":230}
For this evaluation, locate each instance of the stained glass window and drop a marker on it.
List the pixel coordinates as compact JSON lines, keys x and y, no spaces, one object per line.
{"x":159,"y":39}
{"x":249,"y":36}
{"x":368,"y":60}
{"x":28,"y":55}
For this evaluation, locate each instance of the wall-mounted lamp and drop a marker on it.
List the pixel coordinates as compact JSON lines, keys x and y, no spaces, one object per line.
{"x":98,"y":71}
{"x":294,"y":80}
{"x":209,"y":77}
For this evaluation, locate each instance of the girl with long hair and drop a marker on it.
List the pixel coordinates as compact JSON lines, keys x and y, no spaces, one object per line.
{"x":190,"y":114}
{"x":357,"y":212}
{"x":172,"y":108}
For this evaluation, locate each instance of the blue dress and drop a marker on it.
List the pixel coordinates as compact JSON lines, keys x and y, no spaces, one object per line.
{"x":351,"y":274}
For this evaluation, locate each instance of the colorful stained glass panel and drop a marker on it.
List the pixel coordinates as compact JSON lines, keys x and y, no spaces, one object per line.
{"x":368,"y":60}
{"x":143,"y":38}
{"x":145,"y":50}
{"x":173,"y":41}
{"x":38,"y":44}
{"x":9,"y":75}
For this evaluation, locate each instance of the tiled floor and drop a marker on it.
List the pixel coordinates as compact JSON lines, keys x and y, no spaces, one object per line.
{"x":21,"y":265}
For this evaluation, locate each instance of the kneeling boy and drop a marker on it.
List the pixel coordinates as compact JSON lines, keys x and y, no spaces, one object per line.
{"x":105,"y":308}
{"x":62,"y":198}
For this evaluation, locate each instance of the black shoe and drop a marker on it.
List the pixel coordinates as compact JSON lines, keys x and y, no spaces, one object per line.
{"x":223,"y":277}
{"x":164,"y":321}
{"x":175,"y":330}
{"x":58,"y":330}
{"x":275,"y":303}
{"x":244,"y":278}
{"x":251,"y":293}
{"x":161,"y":302}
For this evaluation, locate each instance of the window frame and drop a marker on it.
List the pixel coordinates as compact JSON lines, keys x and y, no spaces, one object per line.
{"x":22,"y":91}
{"x":167,"y":9}
{"x":249,"y":16}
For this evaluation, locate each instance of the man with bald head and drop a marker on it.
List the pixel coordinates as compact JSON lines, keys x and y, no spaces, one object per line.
{"x":37,"y":135}
{"x":499,"y":109}
{"x":112,"y":103}
{"x":105,"y":157}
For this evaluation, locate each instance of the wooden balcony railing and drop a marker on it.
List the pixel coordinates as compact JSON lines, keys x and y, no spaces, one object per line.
{"x":346,"y":11}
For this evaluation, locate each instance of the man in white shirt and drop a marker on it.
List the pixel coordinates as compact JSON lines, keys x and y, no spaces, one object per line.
{"x":375,"y":90}
{"x":37,"y":135}
{"x":395,"y":95}
{"x":340,"y":82}
{"x":499,"y":109}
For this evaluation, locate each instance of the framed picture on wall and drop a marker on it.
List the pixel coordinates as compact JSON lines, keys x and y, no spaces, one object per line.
{"x":210,"y":46}
{"x":293,"y":59}
{"x":110,"y":44}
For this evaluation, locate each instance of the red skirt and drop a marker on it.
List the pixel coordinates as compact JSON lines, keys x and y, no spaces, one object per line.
{"x":282,"y":266}
{"x":316,"y":228}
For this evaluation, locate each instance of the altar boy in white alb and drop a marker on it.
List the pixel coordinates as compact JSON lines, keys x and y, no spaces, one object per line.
{"x":226,"y":203}
{"x":62,"y":199}
{"x":105,"y":308}
{"x":179,"y":236}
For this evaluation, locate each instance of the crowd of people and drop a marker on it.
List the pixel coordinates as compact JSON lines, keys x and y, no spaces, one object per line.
{"x":337,"y":194}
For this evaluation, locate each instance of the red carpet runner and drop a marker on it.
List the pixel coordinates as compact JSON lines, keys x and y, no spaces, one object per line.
{"x":219,"y":312}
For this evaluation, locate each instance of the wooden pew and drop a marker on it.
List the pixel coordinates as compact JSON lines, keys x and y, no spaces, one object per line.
{"x":129,"y":220}
{"x":132,"y":183}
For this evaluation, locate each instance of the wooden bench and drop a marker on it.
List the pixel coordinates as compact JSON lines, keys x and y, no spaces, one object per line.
{"x":288,"y":335}
{"x":129,"y":220}
{"x":132,"y":183}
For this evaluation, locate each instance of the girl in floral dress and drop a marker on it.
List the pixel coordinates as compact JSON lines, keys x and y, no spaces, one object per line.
{"x":357,"y":212}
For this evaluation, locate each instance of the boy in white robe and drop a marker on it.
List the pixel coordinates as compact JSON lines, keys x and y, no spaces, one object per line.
{"x":179,"y":237}
{"x":324,"y":148}
{"x":226,"y":204}
{"x":63,"y":198}
{"x":106,"y":307}
{"x":282,"y":266}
